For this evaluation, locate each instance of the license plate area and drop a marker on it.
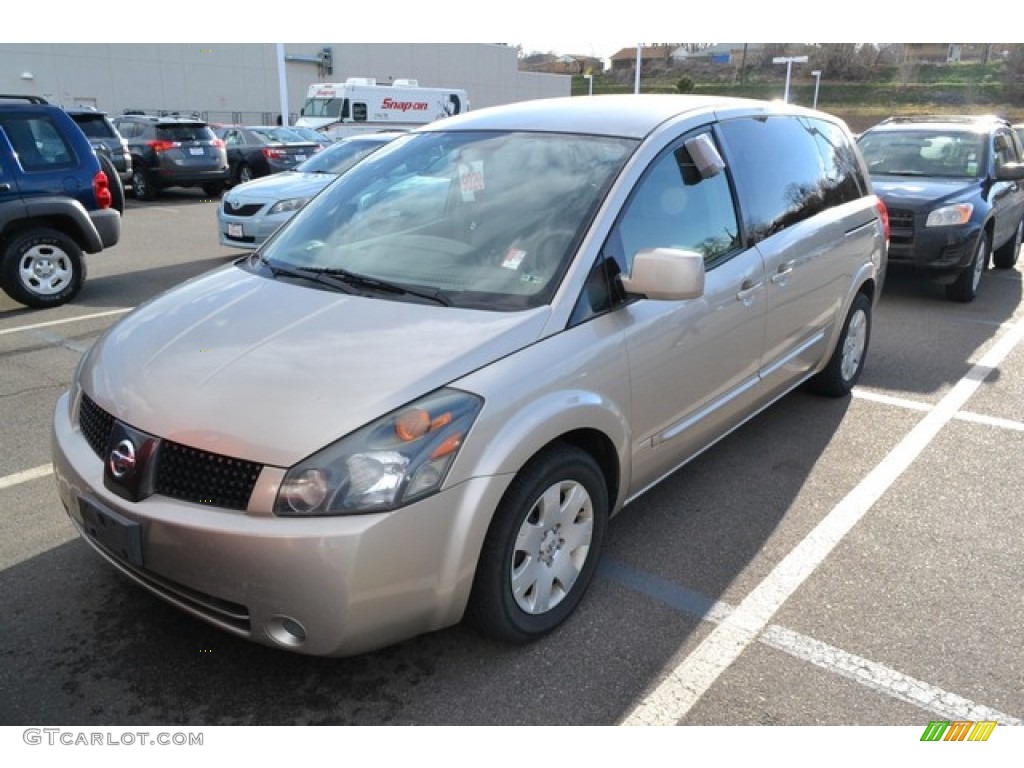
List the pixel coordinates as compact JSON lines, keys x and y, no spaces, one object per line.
{"x":235,"y":230}
{"x":115,"y":532}
{"x":196,"y":151}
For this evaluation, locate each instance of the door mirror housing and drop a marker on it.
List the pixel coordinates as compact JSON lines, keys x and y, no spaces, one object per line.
{"x":666,"y":274}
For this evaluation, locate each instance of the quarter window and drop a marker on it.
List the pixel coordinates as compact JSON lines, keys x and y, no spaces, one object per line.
{"x":38,"y":143}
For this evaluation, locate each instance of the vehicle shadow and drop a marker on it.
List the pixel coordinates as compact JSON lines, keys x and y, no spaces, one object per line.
{"x":922,"y":344}
{"x":85,"y":646}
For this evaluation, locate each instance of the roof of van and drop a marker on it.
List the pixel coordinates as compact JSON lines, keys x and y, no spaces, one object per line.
{"x":628,"y":115}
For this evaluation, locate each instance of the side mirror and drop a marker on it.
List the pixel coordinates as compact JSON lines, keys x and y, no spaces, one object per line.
{"x":666,"y":274}
{"x":705,"y":156}
{"x":1010,"y":171}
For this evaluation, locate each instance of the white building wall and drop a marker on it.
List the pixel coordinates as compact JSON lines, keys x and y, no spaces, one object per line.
{"x":223,"y":80}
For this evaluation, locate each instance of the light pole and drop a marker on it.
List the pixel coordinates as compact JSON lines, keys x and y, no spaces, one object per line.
{"x":817,"y":82}
{"x":590,"y":85}
{"x":788,"y":61}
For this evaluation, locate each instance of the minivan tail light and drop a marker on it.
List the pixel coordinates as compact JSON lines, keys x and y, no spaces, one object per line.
{"x":883,"y":214}
{"x":101,"y":188}
{"x":161,"y":145}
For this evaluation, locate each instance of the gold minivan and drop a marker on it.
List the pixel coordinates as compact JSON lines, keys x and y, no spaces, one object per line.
{"x":424,"y":396}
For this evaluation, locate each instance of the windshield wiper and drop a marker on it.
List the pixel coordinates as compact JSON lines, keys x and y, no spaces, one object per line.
{"x":353,"y":278}
{"x":313,"y":275}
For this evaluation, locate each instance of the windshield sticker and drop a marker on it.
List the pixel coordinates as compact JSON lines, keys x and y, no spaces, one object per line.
{"x":513,"y":258}
{"x":471,"y":179}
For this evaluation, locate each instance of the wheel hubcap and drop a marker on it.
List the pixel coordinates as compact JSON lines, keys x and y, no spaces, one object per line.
{"x":45,"y":269}
{"x":855,"y":344}
{"x":551,"y":547}
{"x":979,"y":266}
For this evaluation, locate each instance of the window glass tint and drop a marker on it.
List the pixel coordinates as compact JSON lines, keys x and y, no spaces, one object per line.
{"x":842,"y":176}
{"x":95,"y":127}
{"x":673,"y":207}
{"x":358,"y":111}
{"x":185,"y":132}
{"x":779,"y":165}
{"x":1006,"y":152}
{"x":38,"y":143}
{"x":927,"y":152}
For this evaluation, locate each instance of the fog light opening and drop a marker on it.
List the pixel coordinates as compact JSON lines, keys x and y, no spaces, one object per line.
{"x":284,"y":630}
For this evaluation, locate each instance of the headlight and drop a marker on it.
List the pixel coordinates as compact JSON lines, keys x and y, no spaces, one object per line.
{"x":289,"y":206}
{"x":950,"y":215}
{"x":387,"y":464}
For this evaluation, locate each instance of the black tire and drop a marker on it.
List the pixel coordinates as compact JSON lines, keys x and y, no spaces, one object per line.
{"x":965,"y":288}
{"x":116,"y":186}
{"x":843,"y":371}
{"x":542,"y":547}
{"x":214,"y":189}
{"x":142,"y":183}
{"x":42,"y":268}
{"x":244,"y":174}
{"x":1005,"y":256}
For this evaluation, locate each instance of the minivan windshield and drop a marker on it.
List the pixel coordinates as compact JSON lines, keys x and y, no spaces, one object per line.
{"x":484,"y":219}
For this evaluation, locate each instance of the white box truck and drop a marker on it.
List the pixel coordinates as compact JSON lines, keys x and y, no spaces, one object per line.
{"x":360,"y":105}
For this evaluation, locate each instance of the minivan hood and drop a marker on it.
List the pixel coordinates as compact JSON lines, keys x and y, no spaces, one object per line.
{"x":272,"y":371}
{"x":916,"y":192}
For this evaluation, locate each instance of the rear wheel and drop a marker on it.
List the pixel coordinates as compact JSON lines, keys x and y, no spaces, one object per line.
{"x":245,"y":173}
{"x":142,"y":186}
{"x":1005,"y":256}
{"x":838,"y":378}
{"x":542,"y":547}
{"x":965,"y":288}
{"x":42,"y":268}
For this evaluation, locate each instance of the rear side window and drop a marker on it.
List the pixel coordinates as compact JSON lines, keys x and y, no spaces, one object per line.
{"x":38,"y":143}
{"x":821,"y":169}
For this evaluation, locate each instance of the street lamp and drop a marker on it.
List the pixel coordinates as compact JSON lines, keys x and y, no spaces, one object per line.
{"x":817,"y":82}
{"x":788,"y":61}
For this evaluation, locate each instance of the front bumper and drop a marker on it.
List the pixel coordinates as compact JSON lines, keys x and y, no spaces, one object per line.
{"x":248,"y":231}
{"x":935,"y":250}
{"x":352,"y":583}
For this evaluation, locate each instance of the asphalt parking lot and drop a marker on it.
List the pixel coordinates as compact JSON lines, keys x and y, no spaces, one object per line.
{"x":833,"y":562}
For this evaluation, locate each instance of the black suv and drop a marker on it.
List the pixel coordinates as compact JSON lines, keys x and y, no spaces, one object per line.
{"x":55,"y":203}
{"x":173,"y":151}
{"x":110,"y":147}
{"x":953,"y":187}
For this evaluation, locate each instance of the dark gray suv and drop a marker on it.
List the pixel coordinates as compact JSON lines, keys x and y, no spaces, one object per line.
{"x":110,"y":148}
{"x":173,"y":151}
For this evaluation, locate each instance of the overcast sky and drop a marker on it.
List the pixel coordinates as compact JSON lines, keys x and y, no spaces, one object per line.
{"x":537,"y":25}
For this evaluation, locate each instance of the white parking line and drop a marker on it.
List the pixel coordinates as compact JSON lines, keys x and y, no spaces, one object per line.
{"x":872,"y":675}
{"x":684,"y":685}
{"x":917,"y":405}
{"x":23,"y":477}
{"x":34,"y":326}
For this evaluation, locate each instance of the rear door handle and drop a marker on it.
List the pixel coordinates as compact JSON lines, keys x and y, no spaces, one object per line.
{"x":784,"y":271}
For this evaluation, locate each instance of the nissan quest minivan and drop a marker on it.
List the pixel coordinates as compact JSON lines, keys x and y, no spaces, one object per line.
{"x":424,"y":396}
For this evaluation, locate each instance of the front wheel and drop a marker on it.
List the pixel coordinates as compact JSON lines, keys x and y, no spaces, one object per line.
{"x":1005,"y":256}
{"x":838,"y":378}
{"x":542,"y":547}
{"x":42,"y":268}
{"x":965,"y":288}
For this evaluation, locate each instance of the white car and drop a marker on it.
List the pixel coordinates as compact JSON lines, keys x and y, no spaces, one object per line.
{"x":251,"y":212}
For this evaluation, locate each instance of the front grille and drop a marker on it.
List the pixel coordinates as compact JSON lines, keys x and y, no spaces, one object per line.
{"x":96,"y":425}
{"x":203,"y":477}
{"x":899,"y":218}
{"x":181,"y":472}
{"x":245,"y":210}
{"x":901,"y":228}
